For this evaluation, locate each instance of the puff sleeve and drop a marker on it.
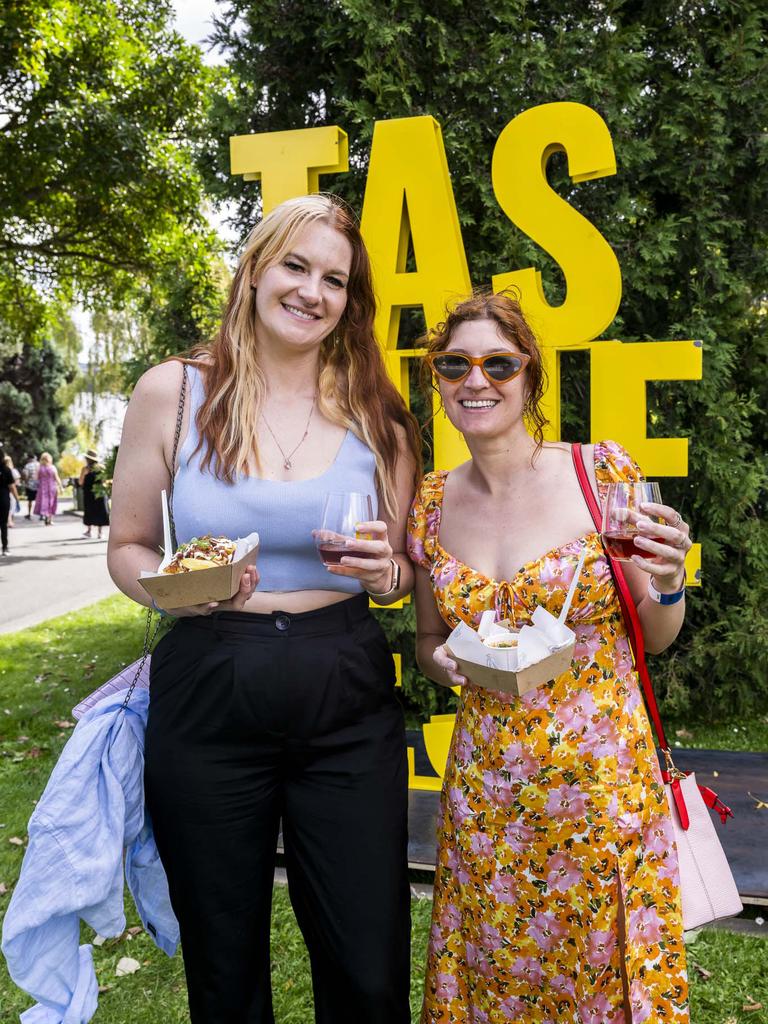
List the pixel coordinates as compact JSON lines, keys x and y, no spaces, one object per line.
{"x":614,"y":464}
{"x":424,"y":520}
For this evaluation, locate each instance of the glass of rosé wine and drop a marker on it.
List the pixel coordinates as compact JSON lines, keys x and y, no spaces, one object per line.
{"x":338,"y":527}
{"x":621,"y":512}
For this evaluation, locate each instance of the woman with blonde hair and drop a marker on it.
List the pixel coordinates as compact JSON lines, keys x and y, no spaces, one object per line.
{"x":48,"y":489}
{"x":279,"y":704}
{"x":556,"y":890}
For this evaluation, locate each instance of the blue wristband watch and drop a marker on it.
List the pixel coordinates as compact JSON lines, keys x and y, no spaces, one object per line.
{"x":660,"y":598}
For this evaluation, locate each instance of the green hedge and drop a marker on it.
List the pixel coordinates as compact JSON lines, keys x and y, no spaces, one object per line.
{"x":682,"y":89}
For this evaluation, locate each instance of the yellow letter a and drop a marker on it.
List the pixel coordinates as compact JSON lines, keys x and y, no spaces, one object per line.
{"x":409,"y":195}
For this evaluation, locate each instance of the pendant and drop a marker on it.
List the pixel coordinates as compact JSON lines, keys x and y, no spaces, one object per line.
{"x":288,"y":464}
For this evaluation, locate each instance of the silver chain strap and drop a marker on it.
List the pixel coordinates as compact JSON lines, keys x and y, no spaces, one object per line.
{"x":149,"y":640}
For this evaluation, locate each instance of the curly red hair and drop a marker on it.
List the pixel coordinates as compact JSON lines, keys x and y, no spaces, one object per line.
{"x":503,"y":308}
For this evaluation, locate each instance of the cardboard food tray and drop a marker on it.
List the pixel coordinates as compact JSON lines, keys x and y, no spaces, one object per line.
{"x":545,"y":648}
{"x":517,"y":683}
{"x":218,"y":583}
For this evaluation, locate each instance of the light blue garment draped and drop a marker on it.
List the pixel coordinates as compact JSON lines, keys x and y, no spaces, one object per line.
{"x":91,"y":811}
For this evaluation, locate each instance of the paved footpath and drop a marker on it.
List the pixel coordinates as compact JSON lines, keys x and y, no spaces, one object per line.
{"x":50,"y":570}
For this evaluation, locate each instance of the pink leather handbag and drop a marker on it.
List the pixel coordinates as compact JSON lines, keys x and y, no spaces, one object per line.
{"x":707,"y":888}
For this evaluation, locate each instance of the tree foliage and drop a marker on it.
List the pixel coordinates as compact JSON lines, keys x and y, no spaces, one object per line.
{"x":682,"y":88}
{"x":101,"y":110}
{"x":32,"y":417}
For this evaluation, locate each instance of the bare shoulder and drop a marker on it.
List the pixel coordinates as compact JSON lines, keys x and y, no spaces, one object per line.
{"x":160,"y":383}
{"x":401,"y":437}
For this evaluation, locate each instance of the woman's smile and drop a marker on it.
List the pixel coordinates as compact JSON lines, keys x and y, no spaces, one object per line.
{"x":479,"y":404}
{"x":300,"y":314}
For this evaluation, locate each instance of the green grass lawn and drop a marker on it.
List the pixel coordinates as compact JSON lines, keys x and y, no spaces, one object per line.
{"x":45,"y":670}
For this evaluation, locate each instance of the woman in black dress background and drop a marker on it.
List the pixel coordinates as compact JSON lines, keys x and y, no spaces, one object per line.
{"x":8,"y":493}
{"x":95,"y":508}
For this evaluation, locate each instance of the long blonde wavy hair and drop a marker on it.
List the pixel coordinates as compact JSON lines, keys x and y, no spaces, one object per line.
{"x":354,"y":389}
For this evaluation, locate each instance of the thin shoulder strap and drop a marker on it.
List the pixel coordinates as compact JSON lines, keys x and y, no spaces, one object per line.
{"x":149,"y":633}
{"x":176,"y":436}
{"x":631,"y":619}
{"x":669,"y":773}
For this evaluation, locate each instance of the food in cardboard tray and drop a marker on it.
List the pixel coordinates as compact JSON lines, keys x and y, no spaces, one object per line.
{"x":201,"y":553}
{"x":501,"y":641}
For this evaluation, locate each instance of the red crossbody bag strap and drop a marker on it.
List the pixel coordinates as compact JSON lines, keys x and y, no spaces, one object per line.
{"x":635,"y":634}
{"x":631,"y":619}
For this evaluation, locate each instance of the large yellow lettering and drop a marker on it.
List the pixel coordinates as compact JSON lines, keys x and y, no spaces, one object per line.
{"x":590,"y":268}
{"x":618,"y":375}
{"x":619,"y":372}
{"x":408,"y":197}
{"x":289,"y":164}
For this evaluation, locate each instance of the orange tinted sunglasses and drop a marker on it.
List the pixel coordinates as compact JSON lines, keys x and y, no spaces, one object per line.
{"x":497,"y":367}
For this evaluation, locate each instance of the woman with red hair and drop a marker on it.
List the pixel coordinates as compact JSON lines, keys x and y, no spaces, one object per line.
{"x":556,"y":890}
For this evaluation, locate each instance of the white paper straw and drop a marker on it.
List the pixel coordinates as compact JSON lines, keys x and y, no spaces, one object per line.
{"x":572,"y":588}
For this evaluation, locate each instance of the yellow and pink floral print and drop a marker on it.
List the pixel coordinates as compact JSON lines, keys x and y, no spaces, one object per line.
{"x":553,"y":814}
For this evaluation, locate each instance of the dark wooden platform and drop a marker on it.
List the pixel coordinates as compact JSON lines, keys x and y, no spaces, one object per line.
{"x":744,"y":837}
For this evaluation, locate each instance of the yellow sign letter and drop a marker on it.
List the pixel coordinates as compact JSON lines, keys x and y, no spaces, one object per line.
{"x":590,"y":268}
{"x":408,"y":197}
{"x":289,"y":164}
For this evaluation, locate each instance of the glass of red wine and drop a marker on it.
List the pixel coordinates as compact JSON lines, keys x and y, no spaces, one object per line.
{"x":621,"y":512}
{"x":341,"y":515}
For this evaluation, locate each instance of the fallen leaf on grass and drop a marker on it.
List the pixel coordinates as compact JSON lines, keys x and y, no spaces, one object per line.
{"x":64,"y":724}
{"x":3,"y":889}
{"x":702,"y":972}
{"x":127,"y":965}
{"x":135,"y":930}
{"x":15,"y":841}
{"x":105,"y":988}
{"x":34,"y":752}
{"x":751,"y":1006}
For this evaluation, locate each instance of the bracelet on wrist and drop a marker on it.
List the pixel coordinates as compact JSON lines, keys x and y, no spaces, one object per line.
{"x":394,"y":585}
{"x":160,"y":611}
{"x":659,"y":598}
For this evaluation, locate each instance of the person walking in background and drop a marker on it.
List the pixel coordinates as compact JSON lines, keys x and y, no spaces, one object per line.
{"x":15,"y":506}
{"x":95,"y":507}
{"x":29,"y":476}
{"x":8,"y":493}
{"x":48,"y":489}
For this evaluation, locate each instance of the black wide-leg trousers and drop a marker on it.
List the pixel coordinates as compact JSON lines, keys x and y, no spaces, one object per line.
{"x":258,"y":718}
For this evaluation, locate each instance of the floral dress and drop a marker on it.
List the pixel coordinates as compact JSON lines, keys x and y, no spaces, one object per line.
{"x":47,"y":500}
{"x":552,"y":811}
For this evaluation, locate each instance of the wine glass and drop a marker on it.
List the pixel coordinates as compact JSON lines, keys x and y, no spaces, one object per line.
{"x":341,"y":514}
{"x":620,"y":514}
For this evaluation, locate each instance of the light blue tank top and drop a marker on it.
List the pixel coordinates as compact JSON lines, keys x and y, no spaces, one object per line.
{"x":284,"y":513}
